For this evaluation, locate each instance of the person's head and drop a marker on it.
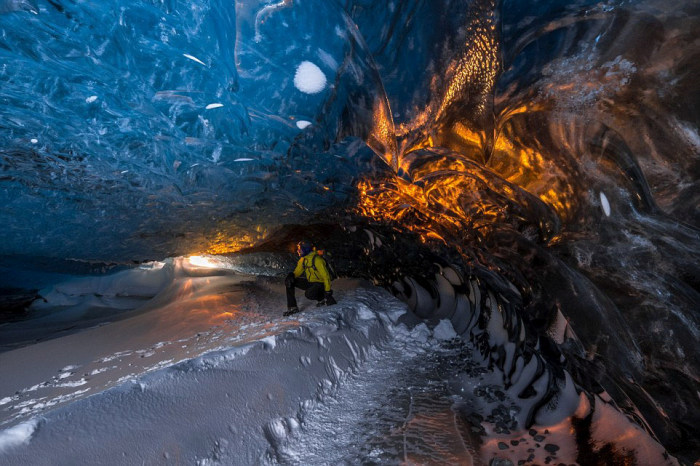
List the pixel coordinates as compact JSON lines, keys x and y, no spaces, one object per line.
{"x":303,"y":248}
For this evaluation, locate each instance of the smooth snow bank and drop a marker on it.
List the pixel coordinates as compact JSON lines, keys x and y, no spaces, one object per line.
{"x":81,"y":302}
{"x":144,"y":281}
{"x":230,"y":406}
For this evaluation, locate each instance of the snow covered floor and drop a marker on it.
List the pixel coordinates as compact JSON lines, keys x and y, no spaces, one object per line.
{"x":208,"y":372}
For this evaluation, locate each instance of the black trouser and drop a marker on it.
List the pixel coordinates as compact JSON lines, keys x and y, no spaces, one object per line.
{"x":314,"y":290}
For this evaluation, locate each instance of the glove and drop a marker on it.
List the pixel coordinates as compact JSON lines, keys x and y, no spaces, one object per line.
{"x":328,"y":297}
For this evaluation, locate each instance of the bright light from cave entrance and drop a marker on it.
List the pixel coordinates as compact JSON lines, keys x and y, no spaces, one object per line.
{"x":204,"y":261}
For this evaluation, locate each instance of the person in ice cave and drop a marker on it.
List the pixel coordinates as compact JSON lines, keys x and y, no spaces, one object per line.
{"x":311,"y":274}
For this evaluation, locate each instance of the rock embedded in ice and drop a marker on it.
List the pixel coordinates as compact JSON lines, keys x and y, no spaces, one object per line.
{"x":309,"y":78}
{"x":551,"y":448}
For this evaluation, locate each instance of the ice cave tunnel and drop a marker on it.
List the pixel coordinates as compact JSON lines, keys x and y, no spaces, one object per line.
{"x":507,"y":192}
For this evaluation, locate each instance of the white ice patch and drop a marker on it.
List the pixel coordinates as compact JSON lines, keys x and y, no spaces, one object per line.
{"x":34,"y":140}
{"x":302,"y":124}
{"x":76,"y":383}
{"x":605,"y":204}
{"x":244,"y":160}
{"x":17,"y":435}
{"x":420,"y":333}
{"x":152,"y":265}
{"x":690,"y":132}
{"x":214,"y":105}
{"x":309,"y":78}
{"x":91,"y":99}
{"x":216,"y":154}
{"x":278,"y":429}
{"x":364,"y":313}
{"x":444,"y":330}
{"x":193,"y":58}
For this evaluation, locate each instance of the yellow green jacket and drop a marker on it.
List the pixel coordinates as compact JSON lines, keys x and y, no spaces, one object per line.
{"x":315,"y":270}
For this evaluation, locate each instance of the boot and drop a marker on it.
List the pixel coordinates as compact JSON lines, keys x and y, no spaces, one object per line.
{"x":328,"y":300}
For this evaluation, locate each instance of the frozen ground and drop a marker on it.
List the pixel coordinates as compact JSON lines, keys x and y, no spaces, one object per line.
{"x":205,"y":370}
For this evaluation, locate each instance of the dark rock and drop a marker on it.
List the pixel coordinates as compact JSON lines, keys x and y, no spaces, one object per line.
{"x":551,"y":448}
{"x":500,"y":462}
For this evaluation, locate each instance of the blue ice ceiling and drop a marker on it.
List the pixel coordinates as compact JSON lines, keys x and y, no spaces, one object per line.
{"x":143,"y":129}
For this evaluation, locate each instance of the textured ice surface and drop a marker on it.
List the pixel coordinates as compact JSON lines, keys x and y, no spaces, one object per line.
{"x":555,"y":143}
{"x":148,"y":108}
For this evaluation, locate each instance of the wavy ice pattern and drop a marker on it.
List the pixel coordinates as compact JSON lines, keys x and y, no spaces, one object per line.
{"x":156,"y":111}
